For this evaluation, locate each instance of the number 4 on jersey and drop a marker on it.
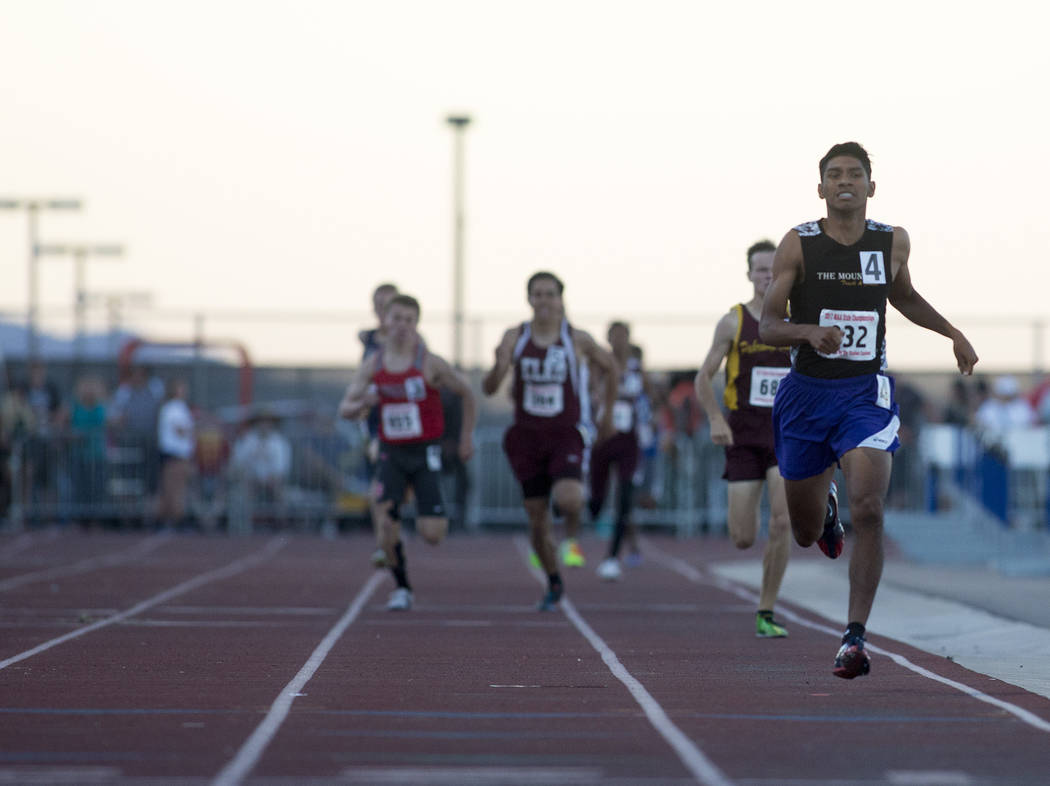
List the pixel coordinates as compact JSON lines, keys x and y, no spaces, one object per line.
{"x":872,"y":267}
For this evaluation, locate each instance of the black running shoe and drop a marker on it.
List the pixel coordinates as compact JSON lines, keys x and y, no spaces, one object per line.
{"x":851,"y":660}
{"x":551,"y":598}
{"x":831,"y":539}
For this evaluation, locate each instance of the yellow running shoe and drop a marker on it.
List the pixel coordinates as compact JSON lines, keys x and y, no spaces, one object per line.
{"x":534,"y":559}
{"x":571,"y":556}
{"x":767,"y":628}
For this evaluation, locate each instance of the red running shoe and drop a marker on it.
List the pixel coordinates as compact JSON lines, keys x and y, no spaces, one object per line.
{"x":851,"y":660}
{"x":831,"y":539}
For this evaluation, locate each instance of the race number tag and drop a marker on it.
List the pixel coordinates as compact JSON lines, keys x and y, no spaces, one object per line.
{"x":544,"y":401}
{"x":764,"y":382}
{"x":884,"y":395}
{"x":872,"y":267}
{"x":623,"y":416}
{"x":859,"y":329}
{"x":402,"y":421}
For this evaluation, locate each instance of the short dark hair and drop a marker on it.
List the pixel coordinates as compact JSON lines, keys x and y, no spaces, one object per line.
{"x":382,"y":288}
{"x":761,"y":245}
{"x":540,"y":276}
{"x":851,"y":149}
{"x":407,"y":301}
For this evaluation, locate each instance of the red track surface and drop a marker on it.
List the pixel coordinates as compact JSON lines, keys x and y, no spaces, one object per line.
{"x":472,"y":686}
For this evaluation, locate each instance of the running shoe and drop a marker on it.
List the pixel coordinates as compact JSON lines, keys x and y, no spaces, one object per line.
{"x":534,"y":559}
{"x":400,"y":600}
{"x":831,"y":539}
{"x":851,"y":660}
{"x":609,"y":569}
{"x":379,"y":558}
{"x":551,"y":598}
{"x":571,"y":556}
{"x":767,"y":628}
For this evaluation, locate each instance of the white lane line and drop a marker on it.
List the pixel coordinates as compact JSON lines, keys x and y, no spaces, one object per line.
{"x":235,"y":567}
{"x":252,"y":749}
{"x":696,"y":576}
{"x":140,"y":549}
{"x":702,"y":768}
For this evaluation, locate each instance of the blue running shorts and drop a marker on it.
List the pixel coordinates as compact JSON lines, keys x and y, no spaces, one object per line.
{"x":816,"y":421}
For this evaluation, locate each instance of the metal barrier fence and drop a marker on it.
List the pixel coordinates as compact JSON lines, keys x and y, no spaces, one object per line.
{"x":114,"y":481}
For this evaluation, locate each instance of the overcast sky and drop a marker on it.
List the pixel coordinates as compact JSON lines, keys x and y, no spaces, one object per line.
{"x":286,"y":157}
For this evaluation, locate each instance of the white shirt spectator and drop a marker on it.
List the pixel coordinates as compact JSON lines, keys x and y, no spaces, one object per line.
{"x":175,"y":429}
{"x":1006,"y":409}
{"x":263,"y":455}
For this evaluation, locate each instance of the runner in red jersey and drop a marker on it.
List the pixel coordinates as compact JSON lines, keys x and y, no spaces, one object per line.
{"x":545,"y":444}
{"x":402,"y":380}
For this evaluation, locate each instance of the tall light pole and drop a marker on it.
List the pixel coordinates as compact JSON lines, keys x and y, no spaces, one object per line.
{"x":459,"y":125}
{"x":80,"y":253}
{"x":33,"y":208}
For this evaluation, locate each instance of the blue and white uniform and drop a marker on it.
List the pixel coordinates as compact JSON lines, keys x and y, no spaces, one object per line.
{"x":831,"y":404}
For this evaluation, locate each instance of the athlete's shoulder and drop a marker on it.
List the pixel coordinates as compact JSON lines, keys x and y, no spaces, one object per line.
{"x":876,"y":226}
{"x":809,"y":229}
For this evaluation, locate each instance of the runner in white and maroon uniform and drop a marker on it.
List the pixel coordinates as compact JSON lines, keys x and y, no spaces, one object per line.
{"x":545,"y":444}
{"x":621,"y":449}
{"x":401,"y":380}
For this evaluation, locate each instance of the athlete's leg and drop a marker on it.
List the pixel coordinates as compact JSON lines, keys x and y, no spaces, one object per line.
{"x":775,"y":558}
{"x":568,"y":496}
{"x":867,"y":472}
{"x":433,"y":529}
{"x":599,"y":479}
{"x":744,"y":498}
{"x":540,"y":535}
{"x":807,"y":503}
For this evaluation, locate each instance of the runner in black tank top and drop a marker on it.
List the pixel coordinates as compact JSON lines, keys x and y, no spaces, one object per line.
{"x":544,"y":445}
{"x":753,"y":372}
{"x":836,"y":407}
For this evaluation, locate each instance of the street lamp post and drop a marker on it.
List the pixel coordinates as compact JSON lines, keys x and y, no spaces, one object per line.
{"x":80,"y":253}
{"x":459,"y":125}
{"x":33,"y":208}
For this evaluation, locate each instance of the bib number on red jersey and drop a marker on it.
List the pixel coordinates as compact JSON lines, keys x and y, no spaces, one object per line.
{"x":764,"y":383}
{"x":859,"y":331}
{"x":544,"y":401}
{"x":402,"y":421}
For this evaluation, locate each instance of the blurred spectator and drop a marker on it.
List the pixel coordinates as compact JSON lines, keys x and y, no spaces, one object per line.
{"x":1004,"y":410}
{"x":906,"y":480}
{"x":960,"y":410}
{"x":133,"y":411}
{"x":261,"y":464}
{"x":16,"y":424}
{"x":451,"y":464}
{"x":39,"y":462}
{"x":1043,"y":407}
{"x":88,"y":450}
{"x":212,"y":453}
{"x":682,"y":413}
{"x":176,"y":442}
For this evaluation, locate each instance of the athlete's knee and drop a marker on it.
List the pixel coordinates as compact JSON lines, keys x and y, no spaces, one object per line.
{"x":568,"y":496}
{"x":432,"y":529}
{"x":742,"y":537}
{"x":866,"y":512}
{"x":779,"y":526}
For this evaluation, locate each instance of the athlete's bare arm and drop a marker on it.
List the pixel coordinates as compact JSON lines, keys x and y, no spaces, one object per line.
{"x":904,"y":297}
{"x":358,"y":399}
{"x":773,"y":328}
{"x":603,"y":360}
{"x":441,"y":374}
{"x":725,"y":330}
{"x":504,"y":359}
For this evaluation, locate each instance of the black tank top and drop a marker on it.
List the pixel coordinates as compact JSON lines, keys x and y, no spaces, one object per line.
{"x":845,"y":286}
{"x":753,"y":372}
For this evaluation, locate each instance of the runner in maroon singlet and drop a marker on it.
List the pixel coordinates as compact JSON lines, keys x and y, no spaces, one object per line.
{"x":545,"y":444}
{"x":621,"y":448}
{"x":753,"y":371}
{"x":402,"y":379}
